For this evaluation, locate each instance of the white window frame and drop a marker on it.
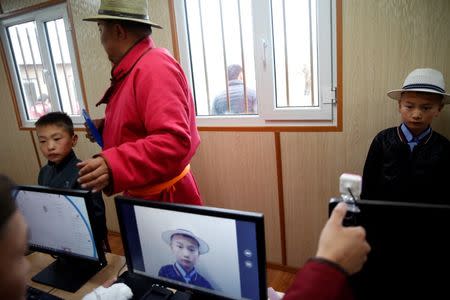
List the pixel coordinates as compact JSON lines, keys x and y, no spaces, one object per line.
{"x":41,"y":16}
{"x":268,"y":114}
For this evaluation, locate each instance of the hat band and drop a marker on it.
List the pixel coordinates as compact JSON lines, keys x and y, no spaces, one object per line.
{"x":424,"y":86}
{"x":122,"y":15}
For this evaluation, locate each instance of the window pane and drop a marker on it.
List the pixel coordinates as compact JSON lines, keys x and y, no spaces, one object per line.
{"x":221,"y":48}
{"x":62,"y":67}
{"x":38,"y":50}
{"x":278,"y":40}
{"x":292,"y":33}
{"x":30,"y":70}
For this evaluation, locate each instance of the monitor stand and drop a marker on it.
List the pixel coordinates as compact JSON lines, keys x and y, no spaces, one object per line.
{"x":68,"y":274}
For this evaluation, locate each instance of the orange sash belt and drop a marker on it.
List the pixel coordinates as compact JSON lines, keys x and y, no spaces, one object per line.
{"x":158,"y":188}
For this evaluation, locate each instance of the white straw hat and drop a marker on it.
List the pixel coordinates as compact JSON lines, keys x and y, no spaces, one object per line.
{"x":423,"y":80}
{"x":202,"y":245}
{"x":126,"y":10}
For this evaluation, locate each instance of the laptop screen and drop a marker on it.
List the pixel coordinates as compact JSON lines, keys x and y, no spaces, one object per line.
{"x":207,"y":250}
{"x":58,"y":221}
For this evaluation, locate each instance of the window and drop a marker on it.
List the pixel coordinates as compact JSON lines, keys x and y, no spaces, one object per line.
{"x":39,"y":51}
{"x":259,"y":62}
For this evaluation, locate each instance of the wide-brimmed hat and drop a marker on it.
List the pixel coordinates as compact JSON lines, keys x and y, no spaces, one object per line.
{"x":423,"y":80}
{"x":126,"y":10}
{"x":202,"y":245}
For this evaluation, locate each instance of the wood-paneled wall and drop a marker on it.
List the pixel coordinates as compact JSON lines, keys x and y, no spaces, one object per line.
{"x":383,"y":40}
{"x":238,"y":170}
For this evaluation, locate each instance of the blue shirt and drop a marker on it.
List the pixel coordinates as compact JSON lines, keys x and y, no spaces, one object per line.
{"x":187,"y":276}
{"x":177,"y":273}
{"x":411,"y":139}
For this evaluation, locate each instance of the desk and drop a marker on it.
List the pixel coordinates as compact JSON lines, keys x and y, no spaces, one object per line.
{"x":39,"y":261}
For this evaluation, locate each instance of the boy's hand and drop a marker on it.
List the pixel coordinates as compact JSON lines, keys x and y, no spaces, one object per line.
{"x":98,"y":123}
{"x":346,"y":246}
{"x":94,"y":174}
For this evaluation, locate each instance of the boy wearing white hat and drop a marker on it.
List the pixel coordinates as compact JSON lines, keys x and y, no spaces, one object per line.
{"x":187,"y":247}
{"x":410,"y":162}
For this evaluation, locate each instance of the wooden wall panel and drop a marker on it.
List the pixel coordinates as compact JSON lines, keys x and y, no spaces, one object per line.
{"x":159,"y":13}
{"x":238,"y":171}
{"x":311,"y":167}
{"x":17,"y":154}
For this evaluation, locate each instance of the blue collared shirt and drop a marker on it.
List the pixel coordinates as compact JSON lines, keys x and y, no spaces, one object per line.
{"x":187,"y":276}
{"x":411,"y":139}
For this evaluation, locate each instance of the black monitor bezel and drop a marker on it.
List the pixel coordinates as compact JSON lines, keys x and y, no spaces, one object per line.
{"x":413,"y":208}
{"x":90,"y":210}
{"x":256,"y":218}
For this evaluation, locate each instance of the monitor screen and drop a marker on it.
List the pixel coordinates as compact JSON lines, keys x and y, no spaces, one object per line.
{"x":60,"y":224}
{"x":410,"y":249}
{"x":207,"y":250}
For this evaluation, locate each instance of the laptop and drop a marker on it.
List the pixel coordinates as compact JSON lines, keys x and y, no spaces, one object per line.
{"x":204,"y":252}
{"x":62,"y":223}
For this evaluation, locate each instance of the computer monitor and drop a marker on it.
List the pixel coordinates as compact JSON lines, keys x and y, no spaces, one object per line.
{"x":61,"y":223}
{"x":230,"y":248}
{"x":410,"y":253}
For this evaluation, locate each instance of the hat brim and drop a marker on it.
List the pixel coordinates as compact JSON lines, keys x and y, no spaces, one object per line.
{"x":97,"y":18}
{"x":397,"y":94}
{"x":202,"y":245}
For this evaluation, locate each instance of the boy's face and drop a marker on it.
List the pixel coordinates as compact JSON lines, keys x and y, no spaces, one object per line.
{"x":418,"y":110}
{"x":15,"y":266}
{"x":185,"y":250}
{"x":55,"y":142}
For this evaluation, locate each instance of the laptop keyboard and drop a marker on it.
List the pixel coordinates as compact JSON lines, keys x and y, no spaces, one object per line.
{"x":37,"y":294}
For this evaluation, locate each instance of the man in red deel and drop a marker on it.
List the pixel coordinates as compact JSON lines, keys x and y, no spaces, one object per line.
{"x":149,"y":131}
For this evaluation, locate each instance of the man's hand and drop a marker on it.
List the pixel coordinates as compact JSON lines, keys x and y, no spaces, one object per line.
{"x":94,"y":174}
{"x":98,"y":123}
{"x":346,"y":246}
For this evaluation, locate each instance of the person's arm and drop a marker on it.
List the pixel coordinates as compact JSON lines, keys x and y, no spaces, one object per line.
{"x":319,"y":280}
{"x":342,"y":251}
{"x":214,"y":107}
{"x":372,"y":173}
{"x":253,"y":103}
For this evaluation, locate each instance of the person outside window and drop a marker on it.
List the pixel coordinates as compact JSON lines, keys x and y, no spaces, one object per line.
{"x":240,"y":102}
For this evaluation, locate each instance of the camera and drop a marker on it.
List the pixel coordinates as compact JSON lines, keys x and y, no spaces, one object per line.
{"x":350,"y":186}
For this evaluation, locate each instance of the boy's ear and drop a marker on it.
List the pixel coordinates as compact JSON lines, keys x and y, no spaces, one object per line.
{"x":74,"y":140}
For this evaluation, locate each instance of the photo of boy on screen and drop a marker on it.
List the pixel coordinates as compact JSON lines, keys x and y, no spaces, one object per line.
{"x":187,"y":248}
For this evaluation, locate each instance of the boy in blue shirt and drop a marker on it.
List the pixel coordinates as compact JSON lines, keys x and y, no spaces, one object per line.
{"x":56,"y":140}
{"x":187,"y":248}
{"x":410,"y":163}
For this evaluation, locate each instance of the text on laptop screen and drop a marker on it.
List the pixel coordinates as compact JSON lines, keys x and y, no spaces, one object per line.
{"x":58,"y":223}
{"x":219,"y":254}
